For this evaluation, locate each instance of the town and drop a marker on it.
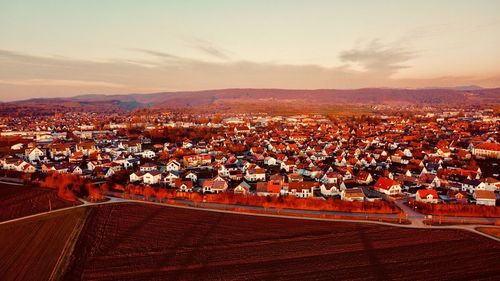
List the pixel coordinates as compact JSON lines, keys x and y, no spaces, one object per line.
{"x":437,"y":156}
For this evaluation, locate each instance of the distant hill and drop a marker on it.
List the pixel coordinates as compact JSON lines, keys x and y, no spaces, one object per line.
{"x":274,"y":97}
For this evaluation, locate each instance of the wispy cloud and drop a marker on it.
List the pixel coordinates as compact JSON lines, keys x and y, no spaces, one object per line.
{"x":55,"y":82}
{"x":379,"y":58}
{"x":155,"y":53}
{"x":209,"y":49}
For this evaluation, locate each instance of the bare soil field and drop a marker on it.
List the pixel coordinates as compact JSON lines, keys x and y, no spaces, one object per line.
{"x":20,"y":201}
{"x":141,"y":242}
{"x":32,"y":247}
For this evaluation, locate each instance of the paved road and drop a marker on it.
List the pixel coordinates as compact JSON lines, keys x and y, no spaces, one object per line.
{"x":412,"y":216}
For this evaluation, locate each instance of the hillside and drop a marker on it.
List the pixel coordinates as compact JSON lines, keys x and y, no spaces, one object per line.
{"x":228,"y":99}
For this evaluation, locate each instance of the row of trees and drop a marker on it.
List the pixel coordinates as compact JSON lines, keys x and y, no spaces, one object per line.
{"x":292,"y":202}
{"x":289,"y":202}
{"x":459,"y":210}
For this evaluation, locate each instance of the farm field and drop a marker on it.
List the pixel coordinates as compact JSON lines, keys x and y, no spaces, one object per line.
{"x":20,"y":201}
{"x":31,"y":247}
{"x":143,"y":242}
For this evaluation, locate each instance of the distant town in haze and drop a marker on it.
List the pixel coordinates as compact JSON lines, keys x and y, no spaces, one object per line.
{"x":144,"y":145}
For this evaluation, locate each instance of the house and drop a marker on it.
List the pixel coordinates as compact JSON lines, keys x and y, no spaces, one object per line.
{"x":75,"y":157}
{"x":459,"y":197}
{"x":492,"y":184}
{"x":171,"y":177}
{"x":352,"y":194}
{"x":152,"y":177}
{"x":487,"y":150}
{"x":271,"y":188}
{"x":102,"y":172}
{"x":148,"y":167}
{"x":17,"y":146}
{"x":257,"y":174}
{"x":387,"y":186}
{"x":87,"y":148}
{"x":59,"y":151}
{"x":34,"y":154}
{"x":303,"y":189}
{"x":24,"y":167}
{"x":131,"y":162}
{"x":288,"y":165}
{"x":295,"y":177}
{"x":242,"y":188}
{"x":485,"y":197}
{"x":197,"y":160}
{"x":75,"y":170}
{"x":223,"y":171}
{"x":364,"y":177}
{"x":235,"y":175}
{"x":427,"y":196}
{"x":184,"y":186}
{"x":134,"y":146}
{"x":191,"y":176}
{"x":241,"y":130}
{"x":46,"y":168}
{"x":331,"y":178}
{"x":147,"y":154}
{"x":271,"y":161}
{"x":173,"y":165}
{"x":214,"y":186}
{"x":329,"y":189}
{"x":472,"y":185}
{"x":136,"y":176}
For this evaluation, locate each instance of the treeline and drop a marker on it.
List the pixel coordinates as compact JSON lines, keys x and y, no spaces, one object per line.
{"x":292,"y":202}
{"x":458,"y":210}
{"x":289,"y":202}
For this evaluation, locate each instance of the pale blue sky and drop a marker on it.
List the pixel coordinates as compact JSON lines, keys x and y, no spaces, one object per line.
{"x":70,"y":47}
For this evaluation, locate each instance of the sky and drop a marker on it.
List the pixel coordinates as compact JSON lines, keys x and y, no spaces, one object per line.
{"x":64,"y":48}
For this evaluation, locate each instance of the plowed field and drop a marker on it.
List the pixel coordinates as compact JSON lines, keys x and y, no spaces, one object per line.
{"x":19,"y":201}
{"x":141,"y":242}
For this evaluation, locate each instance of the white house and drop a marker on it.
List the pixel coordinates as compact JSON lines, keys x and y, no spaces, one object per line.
{"x":352,"y":194}
{"x":329,"y":189}
{"x":271,"y":161}
{"x":485,"y":197}
{"x":214,"y":186}
{"x":331,"y":178}
{"x":387,"y":186}
{"x":34,"y":154}
{"x":148,"y":167}
{"x":171,"y":177}
{"x":222,"y":171}
{"x":191,"y":176}
{"x":148,"y":154}
{"x":257,"y":174}
{"x":242,"y":188}
{"x":152,"y":177}
{"x":136,"y":176}
{"x":173,"y":165}
{"x":427,"y":196}
{"x":300,"y":189}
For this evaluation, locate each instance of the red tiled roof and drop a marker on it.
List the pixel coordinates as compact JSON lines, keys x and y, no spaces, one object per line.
{"x":489,"y":146}
{"x":385,"y":183}
{"x":424,"y":192}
